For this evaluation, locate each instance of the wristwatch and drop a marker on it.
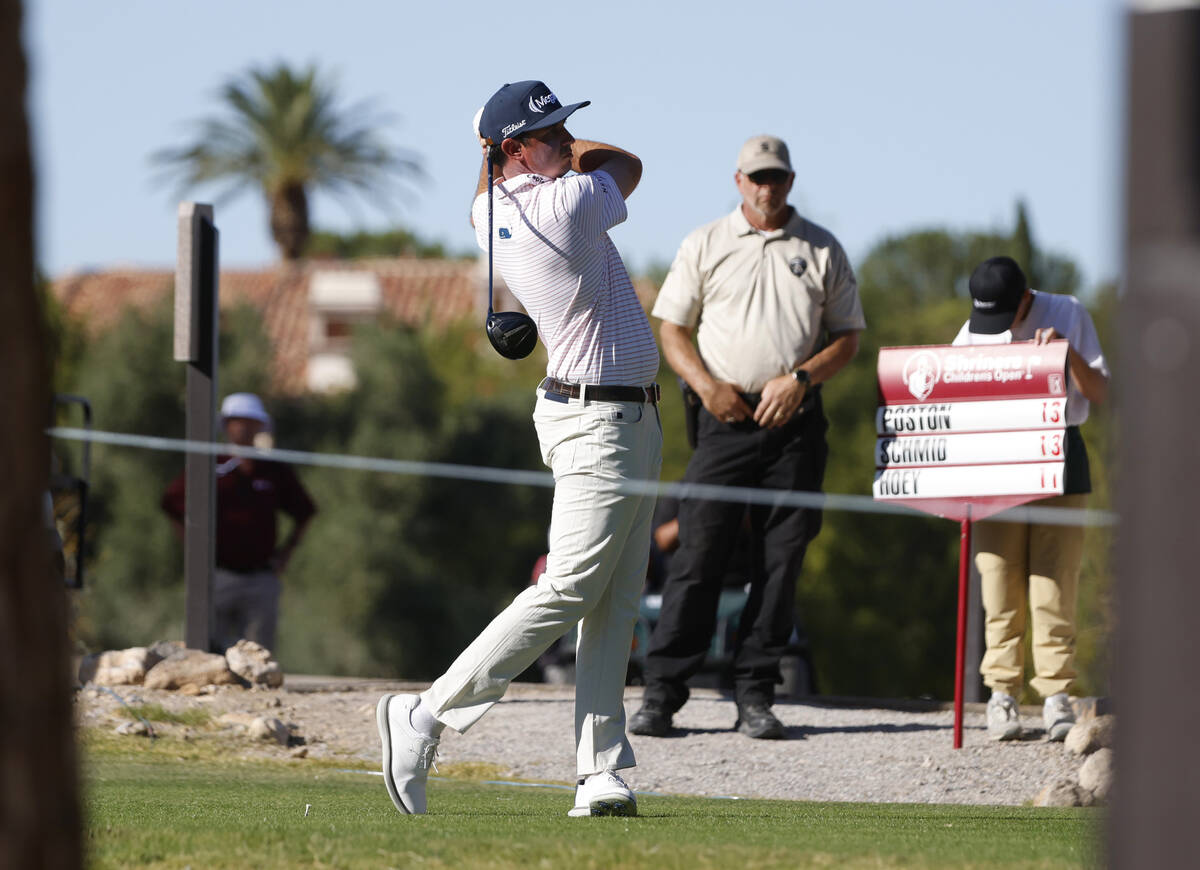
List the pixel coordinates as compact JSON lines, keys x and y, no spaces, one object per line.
{"x":801,"y":375}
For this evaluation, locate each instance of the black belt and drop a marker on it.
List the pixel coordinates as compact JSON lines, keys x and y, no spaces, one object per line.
{"x":806,"y":404}
{"x":600,"y":393}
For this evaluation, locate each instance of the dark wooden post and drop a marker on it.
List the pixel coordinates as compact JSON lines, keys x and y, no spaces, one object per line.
{"x":1156,"y":803}
{"x":196,"y":344}
{"x":39,"y":801}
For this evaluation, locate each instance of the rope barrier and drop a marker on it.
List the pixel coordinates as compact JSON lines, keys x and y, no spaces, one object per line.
{"x":485,"y":474}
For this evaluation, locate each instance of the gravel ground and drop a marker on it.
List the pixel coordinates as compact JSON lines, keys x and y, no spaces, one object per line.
{"x":834,"y":751}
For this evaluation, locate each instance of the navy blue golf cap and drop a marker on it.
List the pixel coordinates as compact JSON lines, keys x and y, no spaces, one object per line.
{"x":997,"y":287}
{"x":520,"y":107}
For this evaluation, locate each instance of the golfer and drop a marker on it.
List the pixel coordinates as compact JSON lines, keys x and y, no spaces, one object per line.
{"x":597,"y":422}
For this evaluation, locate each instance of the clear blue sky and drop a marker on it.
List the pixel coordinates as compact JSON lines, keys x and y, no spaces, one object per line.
{"x":900,"y":115}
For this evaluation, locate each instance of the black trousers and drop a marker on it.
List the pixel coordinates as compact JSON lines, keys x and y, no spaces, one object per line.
{"x":791,"y":457}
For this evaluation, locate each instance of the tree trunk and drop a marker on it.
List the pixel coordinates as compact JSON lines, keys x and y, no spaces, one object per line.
{"x":289,"y":220}
{"x":39,"y":809}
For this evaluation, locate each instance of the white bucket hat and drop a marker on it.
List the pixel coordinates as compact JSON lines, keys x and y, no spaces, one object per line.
{"x":245,"y":405}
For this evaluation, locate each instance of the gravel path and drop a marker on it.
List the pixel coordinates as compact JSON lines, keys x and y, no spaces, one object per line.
{"x":834,"y":752}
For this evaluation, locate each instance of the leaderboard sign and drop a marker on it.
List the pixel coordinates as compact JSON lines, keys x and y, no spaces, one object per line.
{"x":979,"y":425}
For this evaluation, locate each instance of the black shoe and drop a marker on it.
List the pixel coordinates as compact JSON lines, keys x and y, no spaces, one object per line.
{"x":650,"y":721}
{"x":757,"y":721}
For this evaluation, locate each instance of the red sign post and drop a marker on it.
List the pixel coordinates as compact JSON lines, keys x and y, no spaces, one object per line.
{"x":966,"y":432}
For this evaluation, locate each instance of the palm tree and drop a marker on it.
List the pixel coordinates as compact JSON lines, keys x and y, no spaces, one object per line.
{"x":284,"y":133}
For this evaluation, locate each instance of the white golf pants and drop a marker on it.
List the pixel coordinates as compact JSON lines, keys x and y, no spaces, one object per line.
{"x":595,"y":571}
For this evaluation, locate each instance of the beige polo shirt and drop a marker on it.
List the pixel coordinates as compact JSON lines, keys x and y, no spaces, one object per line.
{"x":763,"y":301}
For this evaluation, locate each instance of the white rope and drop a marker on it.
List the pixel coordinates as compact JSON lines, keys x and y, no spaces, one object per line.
{"x":519,"y":477}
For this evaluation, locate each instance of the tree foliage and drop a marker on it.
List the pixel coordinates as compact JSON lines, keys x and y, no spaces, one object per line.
{"x":398,"y":572}
{"x":285,"y":132}
{"x":360,"y":244}
{"x":135,"y":593}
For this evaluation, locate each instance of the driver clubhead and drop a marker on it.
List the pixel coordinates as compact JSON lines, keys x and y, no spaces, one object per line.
{"x":513,"y":334}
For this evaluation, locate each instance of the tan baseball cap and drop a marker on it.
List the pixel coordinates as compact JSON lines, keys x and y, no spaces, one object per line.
{"x":763,"y":152}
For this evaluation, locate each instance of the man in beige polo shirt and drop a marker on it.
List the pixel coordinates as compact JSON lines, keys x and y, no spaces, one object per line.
{"x":773,"y":305}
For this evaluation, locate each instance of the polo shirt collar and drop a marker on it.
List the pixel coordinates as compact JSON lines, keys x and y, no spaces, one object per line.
{"x":741,"y":226}
{"x":518,"y":183}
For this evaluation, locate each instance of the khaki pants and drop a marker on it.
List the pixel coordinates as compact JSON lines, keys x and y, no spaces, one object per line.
{"x":595,"y":571}
{"x":1038,"y":564}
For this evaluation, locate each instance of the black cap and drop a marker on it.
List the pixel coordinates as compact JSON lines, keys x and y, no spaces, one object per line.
{"x":520,"y":107}
{"x":997,"y":287}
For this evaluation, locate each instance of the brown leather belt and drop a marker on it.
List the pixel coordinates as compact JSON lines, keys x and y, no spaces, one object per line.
{"x":600,"y":393}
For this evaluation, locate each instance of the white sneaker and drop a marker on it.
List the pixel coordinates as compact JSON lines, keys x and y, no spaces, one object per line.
{"x":407,"y":753}
{"x":1003,"y":721}
{"x":603,"y":794}
{"x":1058,"y":716}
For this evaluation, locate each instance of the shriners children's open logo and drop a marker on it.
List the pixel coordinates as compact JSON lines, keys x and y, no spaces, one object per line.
{"x":921,"y":373}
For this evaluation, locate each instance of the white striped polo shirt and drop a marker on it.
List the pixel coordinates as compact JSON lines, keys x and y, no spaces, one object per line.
{"x":551,"y":244}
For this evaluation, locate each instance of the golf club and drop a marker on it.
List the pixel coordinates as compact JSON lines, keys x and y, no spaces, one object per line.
{"x":514,"y":335}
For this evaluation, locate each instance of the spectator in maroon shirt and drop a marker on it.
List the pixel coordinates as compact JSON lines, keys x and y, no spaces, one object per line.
{"x":250,"y":492}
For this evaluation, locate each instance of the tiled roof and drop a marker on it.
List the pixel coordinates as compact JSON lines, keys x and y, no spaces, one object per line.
{"x":413,"y":290}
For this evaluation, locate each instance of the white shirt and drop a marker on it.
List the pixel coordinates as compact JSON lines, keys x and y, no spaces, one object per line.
{"x":551,"y":244}
{"x":1067,"y":315}
{"x":763,"y":300}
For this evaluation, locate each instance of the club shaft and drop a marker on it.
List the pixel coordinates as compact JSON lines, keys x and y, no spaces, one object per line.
{"x":489,"y":170}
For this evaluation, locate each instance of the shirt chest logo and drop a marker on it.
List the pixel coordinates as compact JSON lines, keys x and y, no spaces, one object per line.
{"x":504,"y":233}
{"x":797,"y":265}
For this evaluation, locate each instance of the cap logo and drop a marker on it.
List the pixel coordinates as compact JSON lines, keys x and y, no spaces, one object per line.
{"x":764,"y":146}
{"x":536,"y":103}
{"x":508,"y":130}
{"x":984,"y":303}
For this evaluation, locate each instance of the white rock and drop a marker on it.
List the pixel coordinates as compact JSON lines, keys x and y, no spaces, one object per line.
{"x":189,"y":667}
{"x":241,"y":720}
{"x":1059,"y":793}
{"x":162,"y":649}
{"x":1087,"y":736}
{"x":255,"y":664}
{"x":133,"y":727}
{"x":1096,"y":775}
{"x":269,"y":729}
{"x":123,"y":667}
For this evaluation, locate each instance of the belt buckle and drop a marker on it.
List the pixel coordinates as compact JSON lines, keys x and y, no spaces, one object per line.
{"x":554,"y":390}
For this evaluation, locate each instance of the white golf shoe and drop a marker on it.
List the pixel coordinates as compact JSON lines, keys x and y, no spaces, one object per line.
{"x":1003,"y":721}
{"x":407,"y":753}
{"x":1058,"y":716}
{"x":603,"y":794}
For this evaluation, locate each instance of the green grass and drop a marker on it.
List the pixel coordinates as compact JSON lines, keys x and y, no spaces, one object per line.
{"x":159,"y":713}
{"x":171,"y":804}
